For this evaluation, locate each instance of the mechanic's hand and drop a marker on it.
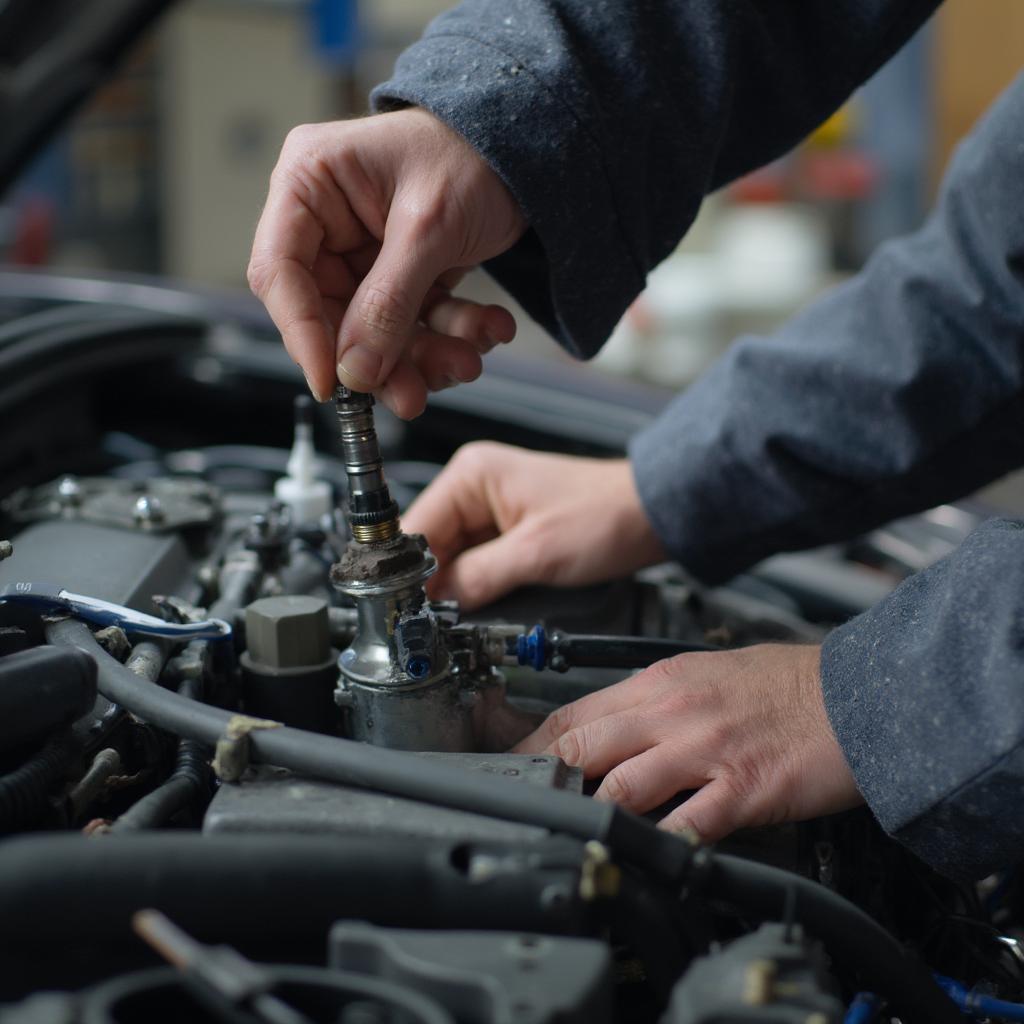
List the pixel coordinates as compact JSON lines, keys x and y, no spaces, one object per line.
{"x":368,"y":226}
{"x":499,"y":517}
{"x":747,"y":729}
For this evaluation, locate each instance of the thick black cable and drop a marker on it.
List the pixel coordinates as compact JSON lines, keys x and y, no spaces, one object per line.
{"x":853,"y":937}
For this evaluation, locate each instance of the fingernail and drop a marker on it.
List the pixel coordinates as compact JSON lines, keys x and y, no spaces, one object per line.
{"x":682,"y":829}
{"x":569,"y":751}
{"x":361,"y":365}
{"x":312,"y":390}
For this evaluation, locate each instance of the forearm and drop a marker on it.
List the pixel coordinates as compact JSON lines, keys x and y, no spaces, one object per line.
{"x":925,"y":695}
{"x":899,"y":390}
{"x":610,"y":122}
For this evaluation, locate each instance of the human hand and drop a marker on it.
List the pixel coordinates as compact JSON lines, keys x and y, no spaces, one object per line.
{"x":499,"y":517}
{"x":747,"y":729}
{"x":368,"y":226}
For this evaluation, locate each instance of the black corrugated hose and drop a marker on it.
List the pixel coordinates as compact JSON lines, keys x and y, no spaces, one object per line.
{"x":25,"y":791}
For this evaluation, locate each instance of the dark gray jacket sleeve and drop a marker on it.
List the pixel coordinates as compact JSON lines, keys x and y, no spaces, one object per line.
{"x":899,"y":390}
{"x":896,"y":391}
{"x":610,"y":121}
{"x":925,"y":693}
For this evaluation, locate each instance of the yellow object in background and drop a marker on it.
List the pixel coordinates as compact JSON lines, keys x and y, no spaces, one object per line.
{"x":838,"y":130}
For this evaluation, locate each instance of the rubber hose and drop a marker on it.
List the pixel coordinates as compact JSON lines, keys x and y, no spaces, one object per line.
{"x":851,"y":936}
{"x":185,"y":786}
{"x":66,"y":901}
{"x":24,"y":792}
{"x":638,"y":841}
{"x":579,"y":650}
{"x":669,"y":859}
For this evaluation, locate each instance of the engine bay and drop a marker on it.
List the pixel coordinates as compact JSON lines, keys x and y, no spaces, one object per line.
{"x":251,"y":772}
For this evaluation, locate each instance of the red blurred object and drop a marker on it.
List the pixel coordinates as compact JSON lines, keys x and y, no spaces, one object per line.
{"x":839,"y":174}
{"x":834,"y":175}
{"x":768,"y":185}
{"x":33,"y":232}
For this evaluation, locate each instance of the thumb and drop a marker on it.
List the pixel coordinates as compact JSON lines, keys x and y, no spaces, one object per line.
{"x":490,"y":570}
{"x":380,"y":321}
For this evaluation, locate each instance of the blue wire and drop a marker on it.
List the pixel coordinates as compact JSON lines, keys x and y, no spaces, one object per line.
{"x":977,"y":1005}
{"x":863,"y":1009}
{"x":865,"y":1006}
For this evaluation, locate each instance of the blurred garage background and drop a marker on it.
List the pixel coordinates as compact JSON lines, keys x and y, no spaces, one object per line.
{"x":165,"y":172}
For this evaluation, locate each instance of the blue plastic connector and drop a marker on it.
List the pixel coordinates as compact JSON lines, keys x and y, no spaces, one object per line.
{"x":418,"y":668}
{"x":531,"y":648}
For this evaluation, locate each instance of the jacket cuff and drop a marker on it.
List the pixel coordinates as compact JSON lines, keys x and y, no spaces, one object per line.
{"x":708,"y":507}
{"x":573,"y":271}
{"x":922,"y":695}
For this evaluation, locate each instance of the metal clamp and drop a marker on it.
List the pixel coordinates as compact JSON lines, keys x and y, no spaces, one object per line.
{"x":231,"y":757}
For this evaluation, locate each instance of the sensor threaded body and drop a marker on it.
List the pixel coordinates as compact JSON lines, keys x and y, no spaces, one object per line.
{"x":372,"y":513}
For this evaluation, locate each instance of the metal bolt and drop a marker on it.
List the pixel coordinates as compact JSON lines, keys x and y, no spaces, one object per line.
{"x":554,"y":897}
{"x":69,"y":490}
{"x":147,"y":510}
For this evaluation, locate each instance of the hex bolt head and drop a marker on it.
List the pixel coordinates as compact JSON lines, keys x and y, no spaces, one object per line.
{"x":288,"y":632}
